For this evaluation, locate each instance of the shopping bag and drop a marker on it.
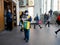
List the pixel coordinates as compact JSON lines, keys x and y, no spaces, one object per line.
{"x":39,"y":22}
{"x":27,"y":25}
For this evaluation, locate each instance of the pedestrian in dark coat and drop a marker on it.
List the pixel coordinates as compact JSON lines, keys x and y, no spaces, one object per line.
{"x":9,"y":20}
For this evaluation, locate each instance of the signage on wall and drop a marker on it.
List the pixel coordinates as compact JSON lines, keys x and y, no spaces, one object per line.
{"x":31,"y":2}
{"x":22,"y":2}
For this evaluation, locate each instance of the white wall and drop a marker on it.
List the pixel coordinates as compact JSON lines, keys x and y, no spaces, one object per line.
{"x":31,"y":13}
{"x":36,"y":8}
{"x":48,"y":5}
{"x":55,"y":5}
{"x":45,"y":6}
{"x":58,"y":5}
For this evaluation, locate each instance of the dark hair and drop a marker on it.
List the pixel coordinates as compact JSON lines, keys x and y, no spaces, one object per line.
{"x":26,"y":11}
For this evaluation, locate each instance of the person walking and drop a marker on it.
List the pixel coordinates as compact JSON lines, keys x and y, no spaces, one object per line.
{"x":37,"y":21}
{"x":27,"y":24}
{"x":21,"y":22}
{"x":45,"y":18}
{"x":48,"y":20}
{"x":58,"y":22}
{"x":51,"y":12}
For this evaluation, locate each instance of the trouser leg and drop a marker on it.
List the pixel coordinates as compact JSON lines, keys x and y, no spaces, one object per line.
{"x":34,"y":25}
{"x":7,"y":26}
{"x":27,"y":34}
{"x":48,"y":24}
{"x":22,"y":28}
{"x":39,"y":25}
{"x":10,"y":26}
{"x":58,"y":30}
{"x":24,"y":34}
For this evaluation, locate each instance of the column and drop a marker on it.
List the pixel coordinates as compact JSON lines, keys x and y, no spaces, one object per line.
{"x":58,"y":4}
{"x":46,"y":5}
{"x":43,"y":6}
{"x":17,"y":9}
{"x":51,"y":4}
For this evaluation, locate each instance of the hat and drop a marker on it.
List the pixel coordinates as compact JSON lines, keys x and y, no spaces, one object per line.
{"x":26,"y":11}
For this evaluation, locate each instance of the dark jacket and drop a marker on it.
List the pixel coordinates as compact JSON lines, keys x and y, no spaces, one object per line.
{"x":46,"y":17}
{"x":58,"y":20}
{"x":9,"y":17}
{"x":36,"y":18}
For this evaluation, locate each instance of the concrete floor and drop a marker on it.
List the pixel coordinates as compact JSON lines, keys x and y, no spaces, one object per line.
{"x":44,"y":36}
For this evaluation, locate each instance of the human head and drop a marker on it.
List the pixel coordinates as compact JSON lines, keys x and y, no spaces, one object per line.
{"x":45,"y":13}
{"x":26,"y":12}
{"x":9,"y":10}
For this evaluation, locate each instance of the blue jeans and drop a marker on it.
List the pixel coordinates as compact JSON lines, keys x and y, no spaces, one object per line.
{"x":26,"y":33}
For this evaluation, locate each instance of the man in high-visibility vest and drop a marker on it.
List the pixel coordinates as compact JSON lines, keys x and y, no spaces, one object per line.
{"x":27,"y":25}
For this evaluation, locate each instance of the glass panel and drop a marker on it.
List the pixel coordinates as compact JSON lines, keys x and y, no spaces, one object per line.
{"x":22,"y":2}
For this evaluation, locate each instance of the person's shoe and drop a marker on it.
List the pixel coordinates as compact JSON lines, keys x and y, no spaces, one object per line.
{"x":21,"y":30}
{"x":55,"y":32}
{"x":48,"y":26}
{"x":40,"y":27}
{"x":26,"y":40}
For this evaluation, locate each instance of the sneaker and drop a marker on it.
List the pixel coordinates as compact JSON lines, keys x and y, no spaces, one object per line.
{"x":21,"y":30}
{"x":40,"y":27}
{"x":55,"y":32}
{"x":26,"y":40}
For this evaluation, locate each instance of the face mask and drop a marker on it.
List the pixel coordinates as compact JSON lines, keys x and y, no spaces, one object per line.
{"x":9,"y":10}
{"x":26,"y":13}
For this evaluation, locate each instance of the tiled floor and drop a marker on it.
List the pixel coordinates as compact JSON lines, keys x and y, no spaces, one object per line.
{"x":44,"y":36}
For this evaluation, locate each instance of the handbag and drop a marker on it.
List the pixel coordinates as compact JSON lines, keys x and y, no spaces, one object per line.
{"x":39,"y":22}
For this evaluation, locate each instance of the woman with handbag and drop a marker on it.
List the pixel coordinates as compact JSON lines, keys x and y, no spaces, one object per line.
{"x":37,"y":21}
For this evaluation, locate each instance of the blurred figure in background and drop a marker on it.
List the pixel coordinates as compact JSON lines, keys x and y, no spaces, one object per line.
{"x":48,"y":20}
{"x":9,"y":20}
{"x":58,"y":22}
{"x":51,"y":12}
{"x":37,"y":21}
{"x":21,"y":21}
{"x":45,"y":18}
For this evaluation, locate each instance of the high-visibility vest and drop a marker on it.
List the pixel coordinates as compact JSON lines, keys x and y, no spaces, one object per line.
{"x":27,"y":25}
